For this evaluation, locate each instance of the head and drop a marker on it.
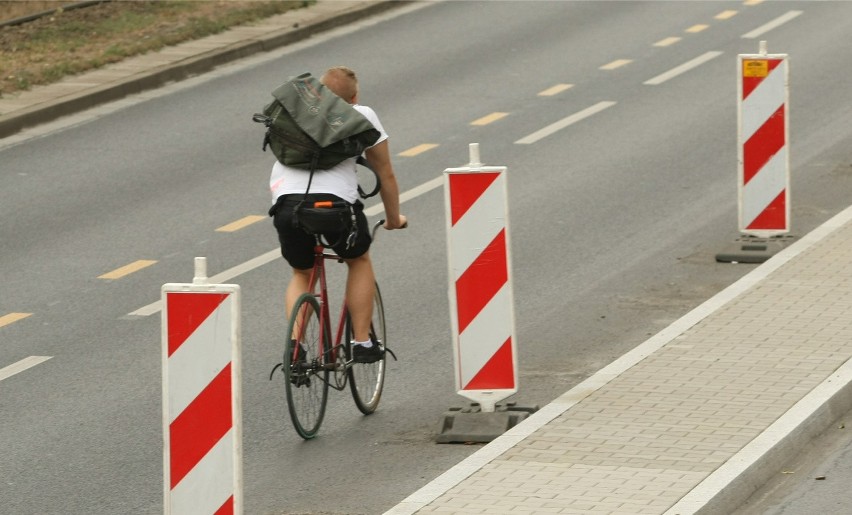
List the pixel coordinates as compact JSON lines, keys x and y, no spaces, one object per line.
{"x":342,"y":82}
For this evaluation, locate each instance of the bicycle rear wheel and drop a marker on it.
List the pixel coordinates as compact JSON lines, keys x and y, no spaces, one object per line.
{"x":306,"y":380}
{"x":366,"y":380}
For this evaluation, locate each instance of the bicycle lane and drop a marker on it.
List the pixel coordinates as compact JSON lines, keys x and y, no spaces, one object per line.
{"x":695,"y":418}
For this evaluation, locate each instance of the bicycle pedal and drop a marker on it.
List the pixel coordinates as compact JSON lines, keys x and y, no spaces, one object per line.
{"x":276,"y":367}
{"x":391,"y":353}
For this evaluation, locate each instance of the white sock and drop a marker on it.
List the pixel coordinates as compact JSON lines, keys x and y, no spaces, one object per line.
{"x":367,"y":344}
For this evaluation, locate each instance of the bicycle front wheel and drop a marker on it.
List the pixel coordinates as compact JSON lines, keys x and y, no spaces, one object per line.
{"x":306,"y":379}
{"x":366,"y":380}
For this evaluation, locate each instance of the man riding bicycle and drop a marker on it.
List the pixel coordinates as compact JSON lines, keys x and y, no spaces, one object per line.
{"x":288,"y":186}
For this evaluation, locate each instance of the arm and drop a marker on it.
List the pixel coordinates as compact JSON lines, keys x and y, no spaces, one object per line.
{"x":379,"y":159}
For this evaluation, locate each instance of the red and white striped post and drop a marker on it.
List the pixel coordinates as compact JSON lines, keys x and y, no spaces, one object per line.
{"x":480,"y":292}
{"x":202,"y":452}
{"x":762,"y":143}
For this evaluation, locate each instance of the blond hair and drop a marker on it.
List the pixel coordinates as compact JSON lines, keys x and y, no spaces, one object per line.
{"x":342,"y":81}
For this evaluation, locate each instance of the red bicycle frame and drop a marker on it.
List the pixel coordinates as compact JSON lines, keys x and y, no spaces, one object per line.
{"x":321,"y":294}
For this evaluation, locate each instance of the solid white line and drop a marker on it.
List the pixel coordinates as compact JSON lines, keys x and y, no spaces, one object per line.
{"x":274,"y":254}
{"x":683,"y":68}
{"x":248,"y":266}
{"x":220,"y":278}
{"x":539,"y":419}
{"x":777,"y":22}
{"x":20,"y":366}
{"x":565,"y":122}
{"x":414,"y":192}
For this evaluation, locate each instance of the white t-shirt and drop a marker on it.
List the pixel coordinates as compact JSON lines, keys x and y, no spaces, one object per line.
{"x":341,"y":180}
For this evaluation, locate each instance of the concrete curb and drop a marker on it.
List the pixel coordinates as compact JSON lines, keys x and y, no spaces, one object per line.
{"x":802,"y":424}
{"x":204,"y":62}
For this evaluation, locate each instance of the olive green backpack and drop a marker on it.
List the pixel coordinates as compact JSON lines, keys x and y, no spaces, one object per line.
{"x":309,"y":127}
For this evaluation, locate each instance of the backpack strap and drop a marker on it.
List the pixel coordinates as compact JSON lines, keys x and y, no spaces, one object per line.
{"x":360,"y":161}
{"x":366,"y":164}
{"x":314,"y":161}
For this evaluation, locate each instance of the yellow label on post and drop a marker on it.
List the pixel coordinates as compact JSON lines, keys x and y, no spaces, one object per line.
{"x":755,"y":68}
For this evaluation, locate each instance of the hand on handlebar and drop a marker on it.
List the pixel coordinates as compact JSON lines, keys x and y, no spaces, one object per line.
{"x":403,"y":223}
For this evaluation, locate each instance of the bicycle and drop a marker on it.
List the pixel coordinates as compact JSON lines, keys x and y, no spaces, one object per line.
{"x":309,"y":373}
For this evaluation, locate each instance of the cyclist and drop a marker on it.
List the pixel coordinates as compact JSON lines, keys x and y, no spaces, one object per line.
{"x":288,"y":187}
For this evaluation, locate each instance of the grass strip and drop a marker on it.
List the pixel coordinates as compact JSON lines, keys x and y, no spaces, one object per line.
{"x":71,"y":42}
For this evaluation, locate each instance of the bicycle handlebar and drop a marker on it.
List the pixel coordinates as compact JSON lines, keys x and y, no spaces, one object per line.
{"x":381,"y":223}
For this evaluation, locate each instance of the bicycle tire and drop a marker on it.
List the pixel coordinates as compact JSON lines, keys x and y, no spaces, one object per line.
{"x":306,"y":386}
{"x":367,"y":380}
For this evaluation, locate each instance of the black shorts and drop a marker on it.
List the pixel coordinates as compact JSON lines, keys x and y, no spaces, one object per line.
{"x":297,"y":246}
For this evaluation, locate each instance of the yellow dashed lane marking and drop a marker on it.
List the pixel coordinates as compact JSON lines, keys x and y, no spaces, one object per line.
{"x":667,"y":41}
{"x":724,"y":15}
{"x":241,"y":223}
{"x":618,"y":63}
{"x":555,"y":90}
{"x":127,"y":269}
{"x":752,"y":2}
{"x":12,"y":318}
{"x":491,"y":118}
{"x":696,"y":28}
{"x":419,"y":149}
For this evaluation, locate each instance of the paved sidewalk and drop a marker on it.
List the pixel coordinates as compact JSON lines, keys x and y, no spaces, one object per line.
{"x":694,"y":419}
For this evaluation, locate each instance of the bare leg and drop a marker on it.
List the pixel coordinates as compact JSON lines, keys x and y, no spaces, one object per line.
{"x":360,"y":291}
{"x":299,"y":284}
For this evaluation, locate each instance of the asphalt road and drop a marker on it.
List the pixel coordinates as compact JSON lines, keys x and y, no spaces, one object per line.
{"x":615,"y":222}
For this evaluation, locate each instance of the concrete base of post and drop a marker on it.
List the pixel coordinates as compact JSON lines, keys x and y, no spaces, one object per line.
{"x":754,"y":249}
{"x":472,"y":425}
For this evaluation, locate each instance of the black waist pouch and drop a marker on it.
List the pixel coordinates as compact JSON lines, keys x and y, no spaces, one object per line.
{"x":325,"y":217}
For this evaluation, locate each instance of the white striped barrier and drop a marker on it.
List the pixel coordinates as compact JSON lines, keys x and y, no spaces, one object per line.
{"x":202,"y":451}
{"x":481,"y":301}
{"x":763,"y":162}
{"x":762,"y":143}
